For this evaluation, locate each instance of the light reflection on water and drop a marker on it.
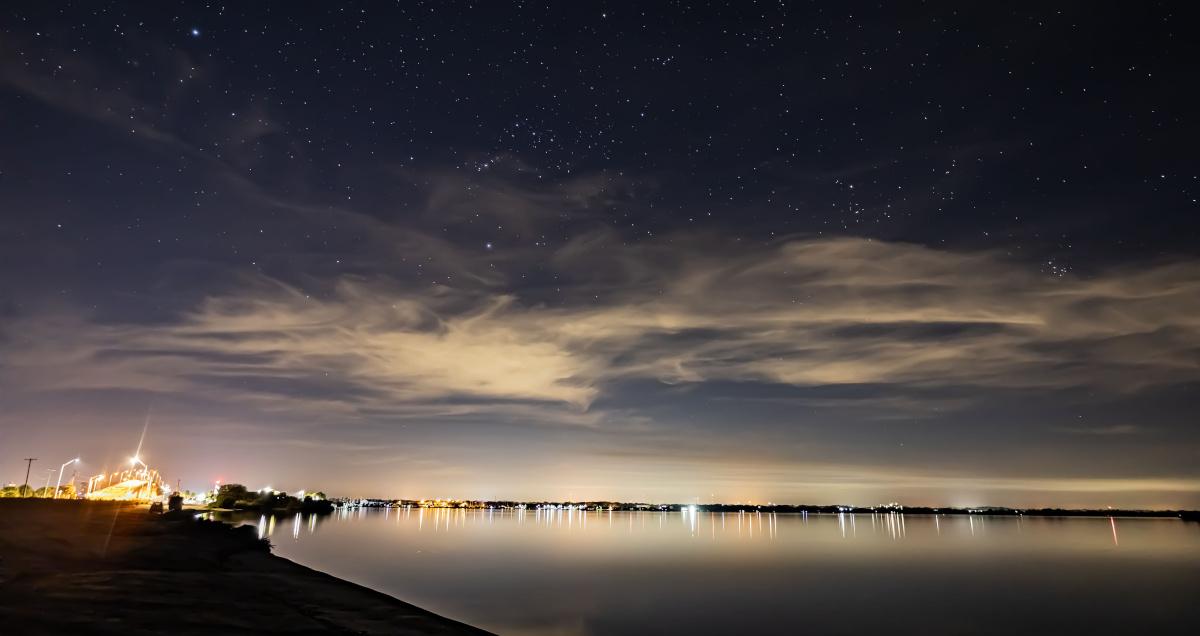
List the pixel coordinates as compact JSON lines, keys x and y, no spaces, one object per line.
{"x":577,"y":572}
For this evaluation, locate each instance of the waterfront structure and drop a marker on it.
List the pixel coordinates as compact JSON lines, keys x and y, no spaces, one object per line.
{"x":137,"y":483}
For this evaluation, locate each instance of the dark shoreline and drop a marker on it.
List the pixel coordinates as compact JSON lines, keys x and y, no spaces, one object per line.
{"x":109,"y":568}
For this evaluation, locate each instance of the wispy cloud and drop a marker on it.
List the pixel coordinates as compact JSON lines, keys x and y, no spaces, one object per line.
{"x":502,"y":192}
{"x":1102,"y":431}
{"x":803,"y":312}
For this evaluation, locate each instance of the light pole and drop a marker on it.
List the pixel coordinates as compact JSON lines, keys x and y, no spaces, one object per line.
{"x":61,"y":469}
{"x":25,"y":492}
{"x":145,"y":471}
{"x":46,"y":488}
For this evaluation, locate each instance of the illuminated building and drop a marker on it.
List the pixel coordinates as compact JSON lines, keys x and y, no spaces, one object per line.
{"x":140,"y":483}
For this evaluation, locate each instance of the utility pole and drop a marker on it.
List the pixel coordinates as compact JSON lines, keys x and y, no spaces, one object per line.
{"x":28,"y":464}
{"x":49,"y":473}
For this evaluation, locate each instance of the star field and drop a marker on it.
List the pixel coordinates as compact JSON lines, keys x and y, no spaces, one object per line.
{"x":780,"y":240}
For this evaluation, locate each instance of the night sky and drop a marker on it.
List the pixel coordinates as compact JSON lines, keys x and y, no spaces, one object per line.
{"x":941,"y":254}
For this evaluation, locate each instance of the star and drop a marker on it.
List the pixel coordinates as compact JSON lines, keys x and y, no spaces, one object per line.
{"x":195,"y":33}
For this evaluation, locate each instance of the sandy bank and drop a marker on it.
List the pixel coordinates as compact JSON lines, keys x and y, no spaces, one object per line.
{"x":100,"y":568}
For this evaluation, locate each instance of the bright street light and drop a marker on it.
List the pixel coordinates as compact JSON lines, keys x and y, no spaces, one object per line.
{"x":60,"y":474}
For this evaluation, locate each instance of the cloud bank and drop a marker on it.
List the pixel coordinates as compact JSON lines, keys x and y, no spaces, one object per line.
{"x":802,"y":312}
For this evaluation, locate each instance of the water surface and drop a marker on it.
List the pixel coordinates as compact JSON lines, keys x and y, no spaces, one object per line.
{"x":570,"y":572}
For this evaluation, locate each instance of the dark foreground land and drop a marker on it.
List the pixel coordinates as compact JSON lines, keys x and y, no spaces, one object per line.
{"x":73,"y":567}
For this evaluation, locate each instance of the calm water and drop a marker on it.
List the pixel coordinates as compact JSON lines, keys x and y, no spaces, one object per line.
{"x":515,"y":572}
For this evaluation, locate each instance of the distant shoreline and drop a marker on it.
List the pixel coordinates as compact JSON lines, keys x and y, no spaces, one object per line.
{"x":605,"y":506}
{"x":99,"y":567}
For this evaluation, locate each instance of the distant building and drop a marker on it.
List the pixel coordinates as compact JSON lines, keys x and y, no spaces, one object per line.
{"x":140,"y":483}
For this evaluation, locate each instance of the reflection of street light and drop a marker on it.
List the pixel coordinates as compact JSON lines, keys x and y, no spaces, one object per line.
{"x":60,"y":474}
